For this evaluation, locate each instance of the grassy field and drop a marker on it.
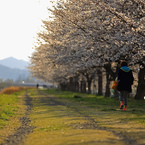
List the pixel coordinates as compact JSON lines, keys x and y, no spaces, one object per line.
{"x":68,"y":118}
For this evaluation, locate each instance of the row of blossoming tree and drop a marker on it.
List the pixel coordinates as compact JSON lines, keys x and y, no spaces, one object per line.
{"x":85,"y":38}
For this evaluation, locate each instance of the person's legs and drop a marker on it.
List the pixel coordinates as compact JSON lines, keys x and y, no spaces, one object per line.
{"x":126,"y":94}
{"x":121,"y":99}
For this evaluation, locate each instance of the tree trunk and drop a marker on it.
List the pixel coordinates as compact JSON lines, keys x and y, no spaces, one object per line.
{"x":107,"y":92}
{"x":89,"y":81}
{"x":89,"y":85}
{"x":70,"y":84}
{"x":100,"y":82}
{"x":83,"y":87}
{"x":63,"y":86}
{"x":77,"y":86}
{"x":110,"y":75}
{"x":141,"y":85}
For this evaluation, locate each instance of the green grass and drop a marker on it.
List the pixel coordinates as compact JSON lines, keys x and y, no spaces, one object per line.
{"x":8,"y":107}
{"x":135,"y":105}
{"x":106,"y":104}
{"x":89,"y":99}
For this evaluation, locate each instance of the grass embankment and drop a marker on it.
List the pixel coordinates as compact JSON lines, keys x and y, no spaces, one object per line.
{"x":61,"y":119}
{"x":11,"y":109}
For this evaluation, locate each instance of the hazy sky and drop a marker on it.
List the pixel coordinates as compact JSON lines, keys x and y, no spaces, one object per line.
{"x":20,"y":20}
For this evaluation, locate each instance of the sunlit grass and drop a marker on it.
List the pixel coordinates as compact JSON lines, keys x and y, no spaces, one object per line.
{"x":9,"y":103}
{"x":11,"y":109}
{"x":8,"y":106}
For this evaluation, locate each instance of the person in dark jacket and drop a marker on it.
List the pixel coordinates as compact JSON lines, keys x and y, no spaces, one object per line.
{"x":125,"y":79}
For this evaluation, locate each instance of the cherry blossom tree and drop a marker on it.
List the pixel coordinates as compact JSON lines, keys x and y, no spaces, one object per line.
{"x":86,"y":35}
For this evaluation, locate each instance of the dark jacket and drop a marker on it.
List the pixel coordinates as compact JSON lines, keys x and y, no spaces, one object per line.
{"x":125,"y":78}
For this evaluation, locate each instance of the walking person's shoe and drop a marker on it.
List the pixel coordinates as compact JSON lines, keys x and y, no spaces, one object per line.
{"x":125,"y":108}
{"x":121,"y":106}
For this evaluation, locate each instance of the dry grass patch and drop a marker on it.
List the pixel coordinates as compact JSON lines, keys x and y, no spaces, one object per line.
{"x":13,"y":89}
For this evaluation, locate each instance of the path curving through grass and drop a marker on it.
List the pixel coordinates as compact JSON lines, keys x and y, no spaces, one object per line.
{"x":61,"y":119}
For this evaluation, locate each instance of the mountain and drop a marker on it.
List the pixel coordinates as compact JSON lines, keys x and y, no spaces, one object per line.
{"x":12,"y":62}
{"x":14,"y":74}
{"x":12,"y":68}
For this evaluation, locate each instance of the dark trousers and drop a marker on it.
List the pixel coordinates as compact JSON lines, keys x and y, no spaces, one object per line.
{"x":124,"y":96}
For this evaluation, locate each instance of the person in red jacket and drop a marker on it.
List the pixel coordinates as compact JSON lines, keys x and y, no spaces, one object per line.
{"x":125,"y":81}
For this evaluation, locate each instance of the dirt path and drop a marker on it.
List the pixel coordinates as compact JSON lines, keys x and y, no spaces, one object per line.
{"x":25,"y":128}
